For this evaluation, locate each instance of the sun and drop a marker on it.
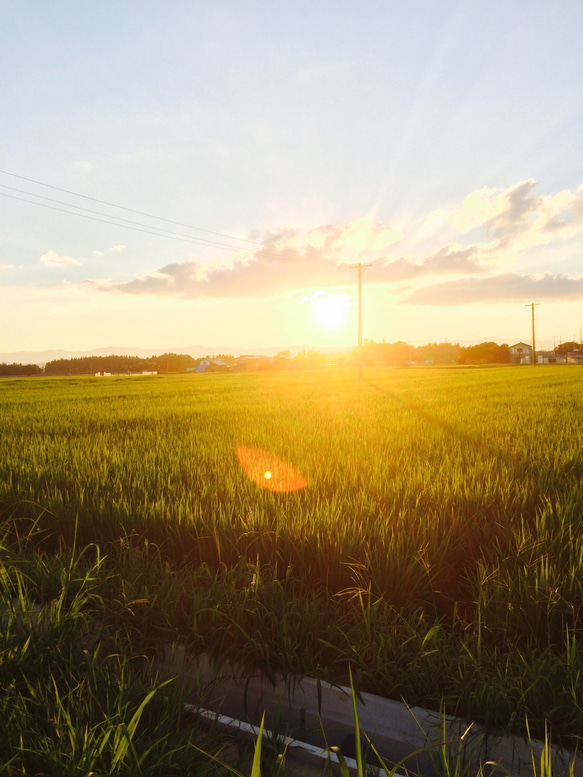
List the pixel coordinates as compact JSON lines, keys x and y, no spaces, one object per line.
{"x":330,"y":310}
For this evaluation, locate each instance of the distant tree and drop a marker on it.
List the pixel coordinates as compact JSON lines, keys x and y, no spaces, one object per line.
{"x":485,"y":353}
{"x":88,"y":365}
{"x":19,"y":369}
{"x":439,"y":353}
{"x":386,"y":353}
{"x":282,"y":360}
{"x":398,"y":353}
{"x":309,"y":360}
{"x":172,"y":362}
{"x":345,"y":359}
{"x":564,"y":348}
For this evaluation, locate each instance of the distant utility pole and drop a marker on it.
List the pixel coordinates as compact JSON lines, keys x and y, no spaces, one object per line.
{"x":360,"y":265}
{"x":532,"y":305}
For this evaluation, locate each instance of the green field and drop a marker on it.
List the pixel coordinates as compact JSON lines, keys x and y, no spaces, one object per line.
{"x":437,"y":548}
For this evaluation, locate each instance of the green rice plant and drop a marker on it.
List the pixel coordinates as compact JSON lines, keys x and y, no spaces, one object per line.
{"x":437,"y":546}
{"x":71,"y":701}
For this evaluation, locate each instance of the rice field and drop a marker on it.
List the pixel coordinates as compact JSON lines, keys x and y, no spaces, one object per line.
{"x":422,"y":527}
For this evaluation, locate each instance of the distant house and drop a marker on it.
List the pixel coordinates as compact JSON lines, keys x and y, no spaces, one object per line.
{"x":210,"y":365}
{"x":575,"y":357}
{"x":103,"y":374}
{"x":521,"y":353}
{"x":546,"y":357}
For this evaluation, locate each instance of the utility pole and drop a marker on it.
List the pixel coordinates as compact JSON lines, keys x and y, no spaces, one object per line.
{"x":532,"y":305}
{"x":360,"y":265}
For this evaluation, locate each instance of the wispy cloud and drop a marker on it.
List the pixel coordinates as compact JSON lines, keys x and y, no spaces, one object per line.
{"x":351,"y":241}
{"x":52,"y":259}
{"x":113,"y":250}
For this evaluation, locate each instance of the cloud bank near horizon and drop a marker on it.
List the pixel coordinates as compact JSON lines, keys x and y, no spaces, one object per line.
{"x":504,"y":226}
{"x":507,"y":287}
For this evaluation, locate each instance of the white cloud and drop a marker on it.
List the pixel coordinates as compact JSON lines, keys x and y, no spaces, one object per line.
{"x":6,"y":266}
{"x":353,"y":240}
{"x":52,"y":259}
{"x":113,"y":250}
{"x":518,"y":218}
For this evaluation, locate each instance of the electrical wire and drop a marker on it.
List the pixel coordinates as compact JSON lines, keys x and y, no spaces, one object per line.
{"x":130,"y":210}
{"x":119,"y":221}
{"x":114,"y":223}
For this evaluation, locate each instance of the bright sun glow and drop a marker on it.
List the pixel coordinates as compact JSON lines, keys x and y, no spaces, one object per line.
{"x":330,"y":310}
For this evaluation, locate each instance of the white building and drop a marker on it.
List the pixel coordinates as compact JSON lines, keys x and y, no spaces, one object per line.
{"x":521,"y":353}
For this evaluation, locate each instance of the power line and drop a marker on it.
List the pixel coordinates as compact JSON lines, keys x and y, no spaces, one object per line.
{"x":106,"y":221}
{"x":123,"y":207}
{"x":135,"y":226}
{"x":125,"y":222}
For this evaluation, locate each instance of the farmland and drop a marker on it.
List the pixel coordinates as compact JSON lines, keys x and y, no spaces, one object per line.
{"x":432,"y":539}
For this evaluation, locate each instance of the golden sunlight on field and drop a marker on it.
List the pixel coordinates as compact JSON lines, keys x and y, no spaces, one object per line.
{"x":270,"y":471}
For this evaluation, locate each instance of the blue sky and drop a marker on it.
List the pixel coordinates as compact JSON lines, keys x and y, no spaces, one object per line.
{"x":440,"y":141}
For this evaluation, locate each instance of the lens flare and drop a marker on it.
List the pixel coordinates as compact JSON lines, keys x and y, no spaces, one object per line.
{"x":270,"y":471}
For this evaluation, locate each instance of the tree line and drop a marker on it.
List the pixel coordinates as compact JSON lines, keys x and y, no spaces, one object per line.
{"x":114,"y":364}
{"x":126,"y":365}
{"x":399,"y":353}
{"x":19,"y":370}
{"x":436,"y":353}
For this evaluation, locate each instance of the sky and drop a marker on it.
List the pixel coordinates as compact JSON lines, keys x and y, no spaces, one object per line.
{"x":193,"y":173}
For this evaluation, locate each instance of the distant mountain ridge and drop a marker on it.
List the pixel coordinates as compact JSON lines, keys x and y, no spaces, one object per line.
{"x":196,"y":351}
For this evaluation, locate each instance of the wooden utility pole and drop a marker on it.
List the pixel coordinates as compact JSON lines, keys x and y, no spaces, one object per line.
{"x":532,"y":305}
{"x":360,"y":265}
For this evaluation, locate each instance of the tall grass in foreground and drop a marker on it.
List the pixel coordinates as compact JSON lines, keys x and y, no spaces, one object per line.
{"x":76,"y":697}
{"x":438,"y":546}
{"x":72,"y":699}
